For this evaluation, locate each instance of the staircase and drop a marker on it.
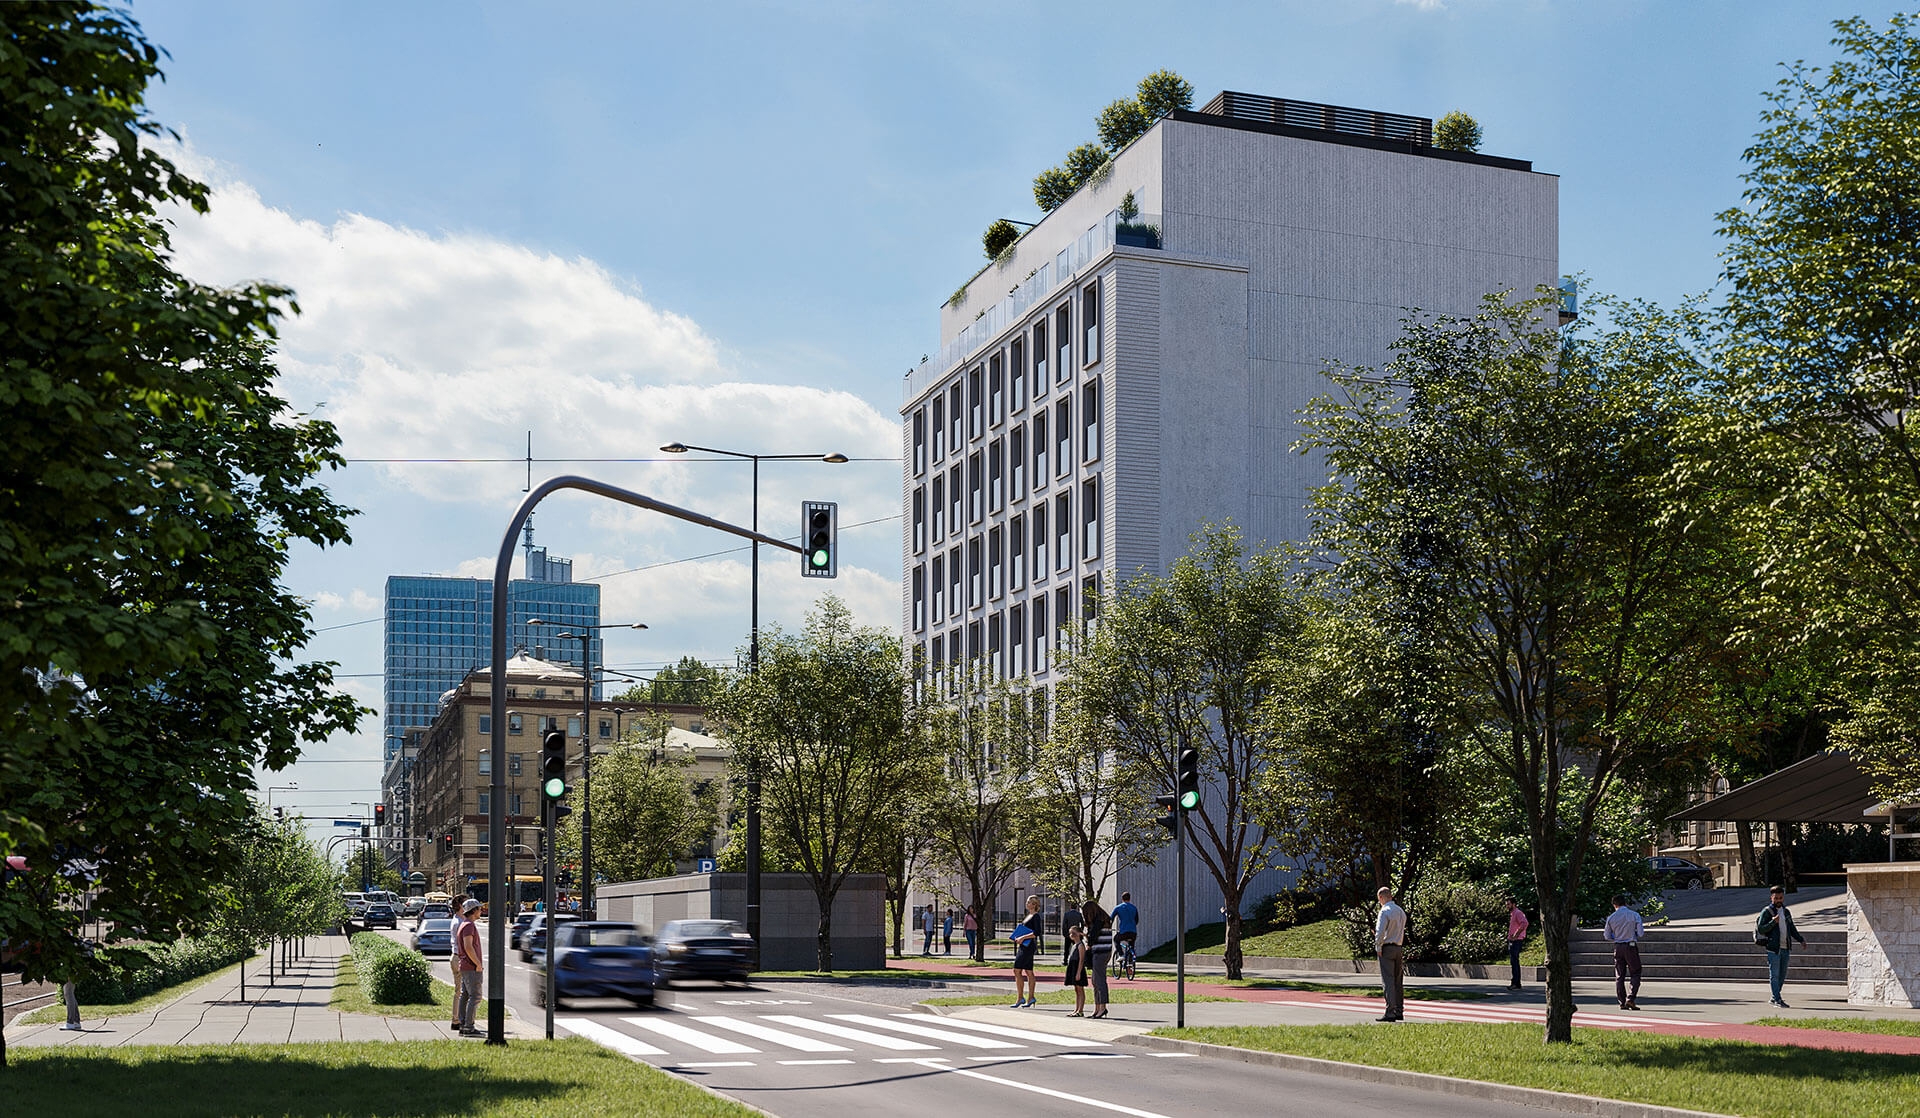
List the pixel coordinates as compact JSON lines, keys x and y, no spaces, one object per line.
{"x":1713,"y":955}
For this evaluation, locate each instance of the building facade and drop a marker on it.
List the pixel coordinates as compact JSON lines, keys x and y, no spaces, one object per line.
{"x":1133,"y":367}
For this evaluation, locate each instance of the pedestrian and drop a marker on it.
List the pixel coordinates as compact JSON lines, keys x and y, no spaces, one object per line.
{"x":972,"y":928}
{"x":1389,"y":943}
{"x":1774,"y":930}
{"x":1098,"y":932}
{"x":926,"y":926}
{"x":1625,"y":931}
{"x":1026,"y":944}
{"x":1077,"y":969}
{"x":1516,"y":939}
{"x":466,"y":969}
{"x":1069,"y":918}
{"x":946,"y":934}
{"x":71,"y":995}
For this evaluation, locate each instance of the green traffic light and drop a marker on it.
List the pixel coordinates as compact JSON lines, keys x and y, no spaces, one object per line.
{"x":1189,"y":800}
{"x":554,"y":788}
{"x":820,"y":558}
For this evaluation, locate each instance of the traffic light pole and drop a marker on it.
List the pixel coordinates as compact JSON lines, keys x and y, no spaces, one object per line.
{"x":1180,"y":920}
{"x":546,"y":888}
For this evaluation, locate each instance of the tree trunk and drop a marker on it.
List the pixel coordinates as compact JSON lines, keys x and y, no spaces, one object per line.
{"x":1232,"y":913}
{"x":1556,"y":926}
{"x":1751,"y":871}
{"x":1789,"y":872}
{"x":823,"y":944}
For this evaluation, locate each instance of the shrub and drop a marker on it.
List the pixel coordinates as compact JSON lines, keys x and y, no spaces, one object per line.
{"x":998,"y":238}
{"x":1163,"y":91}
{"x":1474,"y":945}
{"x":1121,"y":123}
{"x":389,"y":973}
{"x":1356,"y":927}
{"x":1299,"y":906}
{"x":1457,"y":132}
{"x":128,"y":973}
{"x":1435,"y":910}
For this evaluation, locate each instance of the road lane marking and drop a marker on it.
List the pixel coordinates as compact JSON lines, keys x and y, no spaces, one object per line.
{"x":1172,"y":1055}
{"x":718,"y":1045}
{"x":1017,"y":1034}
{"x":763,"y":1032}
{"x":716,"y":1064}
{"x":821,"y":1063}
{"x":1100,"y":1104}
{"x":608,"y":1038}
{"x":929,"y":1061}
{"x":950,"y":1037}
{"x":894,"y":1043}
{"x":1092,"y":1056}
{"x":1001,"y":1059}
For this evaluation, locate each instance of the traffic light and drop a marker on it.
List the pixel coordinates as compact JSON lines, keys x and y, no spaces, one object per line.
{"x":446,"y":844}
{"x":1169,"y":816}
{"x":553,"y":764}
{"x":1187,"y":779}
{"x":379,"y":815}
{"x":818,"y":523}
{"x":280,"y":813}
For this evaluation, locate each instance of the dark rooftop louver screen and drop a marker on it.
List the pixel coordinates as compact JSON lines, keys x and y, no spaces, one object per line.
{"x":1324,"y":118}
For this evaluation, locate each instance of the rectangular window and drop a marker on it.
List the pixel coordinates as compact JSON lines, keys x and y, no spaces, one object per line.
{"x":1017,"y":377}
{"x":996,"y":475}
{"x":939,"y":587}
{"x":1039,"y":519}
{"x":1040,"y":449}
{"x":919,"y":519}
{"x":486,"y":762}
{"x":486,"y":805}
{"x":1039,"y":634}
{"x":919,"y":599}
{"x":996,"y":391}
{"x":573,"y":727}
{"x":974,"y":644}
{"x":1090,"y":319}
{"x":974,"y":575}
{"x":1063,"y":339}
{"x":1040,"y":358}
{"x":513,"y":764}
{"x":1016,"y":553}
{"x":1063,"y":435}
{"x":996,"y":566}
{"x":975,"y":404}
{"x":486,"y":723}
{"x":1063,"y":618}
{"x":606,"y":728}
{"x":937,"y":660}
{"x":920,"y":441}
{"x":1090,"y":600}
{"x":975,"y":508}
{"x":956,"y":420}
{"x":954,"y":495}
{"x":939,"y":506}
{"x":1063,"y":532}
{"x":939,"y":424}
{"x":1017,"y":461}
{"x":1090,"y":421}
{"x":996,"y":648}
{"x":953,"y":582}
{"x":1016,"y":642}
{"x":513,"y":722}
{"x":1090,"y":519}
{"x":513,"y":803}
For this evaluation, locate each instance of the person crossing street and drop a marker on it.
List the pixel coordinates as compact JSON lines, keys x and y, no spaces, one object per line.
{"x":1625,"y":930}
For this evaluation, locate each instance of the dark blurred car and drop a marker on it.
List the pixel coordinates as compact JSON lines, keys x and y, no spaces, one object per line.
{"x":1678,"y":873}
{"x":380,"y":915}
{"x":433,"y":912}
{"x":434,"y":937}
{"x":518,"y":929}
{"x":412,"y":907}
{"x":534,"y":938}
{"x":720,"y":950}
{"x":597,"y":959}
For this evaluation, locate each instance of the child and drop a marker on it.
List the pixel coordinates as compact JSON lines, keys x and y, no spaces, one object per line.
{"x":1077,"y":970}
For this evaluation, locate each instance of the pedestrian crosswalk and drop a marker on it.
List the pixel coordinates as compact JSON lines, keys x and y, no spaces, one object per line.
{"x":1463,"y":1011}
{"x":685,"y":1041}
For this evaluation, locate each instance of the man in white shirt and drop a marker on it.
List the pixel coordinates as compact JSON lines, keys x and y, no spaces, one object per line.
{"x":1389,"y":940}
{"x":1624,"y":930}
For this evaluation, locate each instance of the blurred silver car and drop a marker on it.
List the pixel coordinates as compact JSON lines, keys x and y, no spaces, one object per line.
{"x":434,"y":936}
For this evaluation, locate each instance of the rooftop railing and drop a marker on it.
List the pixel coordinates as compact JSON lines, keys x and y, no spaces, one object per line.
{"x":1324,"y":118}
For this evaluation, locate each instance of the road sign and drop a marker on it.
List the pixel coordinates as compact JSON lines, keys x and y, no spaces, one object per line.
{"x":346,"y":822}
{"x":706,"y":865}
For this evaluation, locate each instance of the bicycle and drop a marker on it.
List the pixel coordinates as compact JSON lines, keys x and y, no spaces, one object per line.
{"x":1125,"y":966}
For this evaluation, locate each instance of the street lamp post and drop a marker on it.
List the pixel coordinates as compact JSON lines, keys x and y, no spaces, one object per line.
{"x":753,"y":665}
{"x":294,"y":787}
{"x":585,"y":636}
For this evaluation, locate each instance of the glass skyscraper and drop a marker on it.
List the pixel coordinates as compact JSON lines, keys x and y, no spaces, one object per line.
{"x":439,"y":629}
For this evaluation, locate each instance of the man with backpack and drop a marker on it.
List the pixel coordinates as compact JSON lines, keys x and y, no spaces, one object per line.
{"x":1773,"y":929}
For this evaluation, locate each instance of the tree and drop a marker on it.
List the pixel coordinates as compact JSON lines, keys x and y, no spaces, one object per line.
{"x":367,"y":868}
{"x":1525,"y":481}
{"x":689,"y":681}
{"x":1121,"y":123}
{"x":1821,"y":354}
{"x":1162,"y":93}
{"x":280,"y":889}
{"x":1457,"y":132}
{"x":152,"y":486}
{"x":647,"y":814}
{"x":1089,"y":816}
{"x":1185,"y":660}
{"x":1052,"y":187}
{"x":998,"y":238}
{"x":825,"y":714}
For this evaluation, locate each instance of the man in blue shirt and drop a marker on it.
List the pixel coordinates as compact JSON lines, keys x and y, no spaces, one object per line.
{"x":1625,"y":931}
{"x":1126,"y":925}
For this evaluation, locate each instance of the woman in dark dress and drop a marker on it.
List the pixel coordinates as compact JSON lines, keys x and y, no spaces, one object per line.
{"x":1099,"y":945}
{"x":1077,"y":970}
{"x":1026,"y":943}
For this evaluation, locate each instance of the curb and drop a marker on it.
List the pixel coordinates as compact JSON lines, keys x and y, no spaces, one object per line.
{"x":1206,"y":964}
{"x":1422,"y":1081}
{"x":910,"y":982}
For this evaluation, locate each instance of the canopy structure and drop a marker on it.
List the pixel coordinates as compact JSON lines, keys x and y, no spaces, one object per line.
{"x":1824,"y":788}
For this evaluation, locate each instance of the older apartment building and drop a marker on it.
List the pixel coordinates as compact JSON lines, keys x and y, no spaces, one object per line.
{"x":1119,"y":378}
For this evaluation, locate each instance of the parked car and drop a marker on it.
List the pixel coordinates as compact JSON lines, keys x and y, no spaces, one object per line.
{"x":434,"y":937}
{"x":598,"y":959}
{"x":380,"y":915}
{"x":519,"y":929}
{"x":534,"y":939}
{"x":413,"y":907}
{"x":433,"y":912}
{"x":715,"y":949}
{"x":1678,"y":873}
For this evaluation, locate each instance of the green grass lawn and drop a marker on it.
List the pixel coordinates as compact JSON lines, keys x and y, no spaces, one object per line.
{"x":1847,"y":1024}
{"x":1116,"y":995}
{"x":525,"y":1079}
{"x":1413,"y":993}
{"x":350,"y":997}
{"x":1726,"y":1077}
{"x":50,"y":1014}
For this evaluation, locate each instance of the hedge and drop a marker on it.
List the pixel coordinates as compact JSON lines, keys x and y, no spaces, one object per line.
{"x":389,"y":973}
{"x":126,"y":973}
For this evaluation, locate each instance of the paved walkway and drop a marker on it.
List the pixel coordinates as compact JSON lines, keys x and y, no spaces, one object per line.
{"x":293,"y":1009}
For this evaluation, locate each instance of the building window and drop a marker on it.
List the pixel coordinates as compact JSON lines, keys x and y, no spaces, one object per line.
{"x":919,"y":598}
{"x":996,"y":391}
{"x":919,"y":519}
{"x":996,"y":475}
{"x":975,"y":509}
{"x":513,"y":803}
{"x":1090,"y":421}
{"x":606,"y":727}
{"x":486,"y":724}
{"x":920,"y":441}
{"x":540,"y":692}
{"x":939,"y":506}
{"x":1063,"y":340}
{"x":1063,"y":532}
{"x":573,"y":728}
{"x":1039,"y":634}
{"x":975,"y":423}
{"x":486,"y":805}
{"x":1040,"y":449}
{"x":1017,"y":461}
{"x":996,"y":567}
{"x":1016,"y":553}
{"x":939,"y":424}
{"x":1063,"y":617}
{"x":973,"y":573}
{"x":956,"y":419}
{"x":1090,"y":601}
{"x":1090,"y":319}
{"x":939,"y":587}
{"x":486,"y":762}
{"x":696,"y":726}
{"x":1039,"y":519}
{"x":1016,"y":642}
{"x":996,"y":650}
{"x":974,"y":647}
{"x":513,"y":723}
{"x":954,"y":484}
{"x":1090,"y":519}
{"x":953,"y":582}
{"x":1040,"y":358}
{"x":1063,"y":435}
{"x":1017,"y":376}
{"x":513,"y":764}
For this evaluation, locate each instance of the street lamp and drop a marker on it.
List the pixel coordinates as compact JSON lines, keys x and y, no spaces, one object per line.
{"x":753,"y":665}
{"x":585,"y":636}
{"x":294,"y":787}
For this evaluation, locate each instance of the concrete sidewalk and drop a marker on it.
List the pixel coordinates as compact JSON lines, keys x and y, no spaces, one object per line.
{"x":293,"y":1009}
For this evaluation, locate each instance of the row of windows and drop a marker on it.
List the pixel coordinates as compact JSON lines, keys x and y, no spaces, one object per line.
{"x":997,"y":388}
{"x":1006,"y":557}
{"x":992,"y":478}
{"x":1013,"y":642}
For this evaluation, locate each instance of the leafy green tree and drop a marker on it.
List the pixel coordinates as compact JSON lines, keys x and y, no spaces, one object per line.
{"x":281,"y":888}
{"x":1524,"y":481}
{"x":1121,"y":123}
{"x":367,"y":868}
{"x":1052,"y":187}
{"x":1083,"y":162}
{"x":689,"y":681}
{"x":826,"y":715}
{"x":999,"y":237}
{"x":1457,"y":132}
{"x":647,"y":812}
{"x":1821,"y":354}
{"x":152,"y":486}
{"x":1186,"y":660}
{"x":1163,"y":92}
{"x":1089,"y":817}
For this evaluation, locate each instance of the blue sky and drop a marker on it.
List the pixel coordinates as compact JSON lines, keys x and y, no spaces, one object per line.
{"x":733,"y":224}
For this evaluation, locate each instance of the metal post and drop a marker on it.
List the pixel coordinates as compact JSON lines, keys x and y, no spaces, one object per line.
{"x":1180,"y":914}
{"x":586,"y":777}
{"x":753,"y":748}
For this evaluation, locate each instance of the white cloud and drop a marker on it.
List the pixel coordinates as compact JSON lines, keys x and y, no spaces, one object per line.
{"x":1423,"y":5}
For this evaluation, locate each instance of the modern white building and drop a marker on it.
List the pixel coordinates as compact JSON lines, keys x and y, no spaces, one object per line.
{"x":1114,"y":381}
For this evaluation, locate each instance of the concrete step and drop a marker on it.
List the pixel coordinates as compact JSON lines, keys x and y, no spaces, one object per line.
{"x":1711,"y":955}
{"x":1810,"y":975}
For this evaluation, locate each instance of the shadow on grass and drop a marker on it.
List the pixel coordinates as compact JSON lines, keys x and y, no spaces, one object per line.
{"x":1763,"y":1061}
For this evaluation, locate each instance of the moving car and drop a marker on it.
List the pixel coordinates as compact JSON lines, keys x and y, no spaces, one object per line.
{"x":413,"y":907}
{"x":1678,"y":873}
{"x":433,"y":912}
{"x":716,"y":949}
{"x":534,"y":939}
{"x":434,"y":937}
{"x":381,"y":915}
{"x":598,"y":959}
{"x":519,"y":929}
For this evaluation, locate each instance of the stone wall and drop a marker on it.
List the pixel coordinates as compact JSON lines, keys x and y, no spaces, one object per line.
{"x":1883,"y":934}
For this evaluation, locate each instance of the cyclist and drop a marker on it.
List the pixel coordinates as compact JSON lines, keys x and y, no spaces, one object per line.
{"x":1126,"y":932}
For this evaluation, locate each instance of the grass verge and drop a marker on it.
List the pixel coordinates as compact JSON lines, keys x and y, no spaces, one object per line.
{"x":1116,"y":995}
{"x":1413,"y":993}
{"x":375,"y":1079}
{"x":351,"y":997}
{"x":50,"y":1014}
{"x":1879,"y":1025}
{"x":1726,"y":1077}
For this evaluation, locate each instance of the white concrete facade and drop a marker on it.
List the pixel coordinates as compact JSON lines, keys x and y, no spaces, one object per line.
{"x":1280,"y":250}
